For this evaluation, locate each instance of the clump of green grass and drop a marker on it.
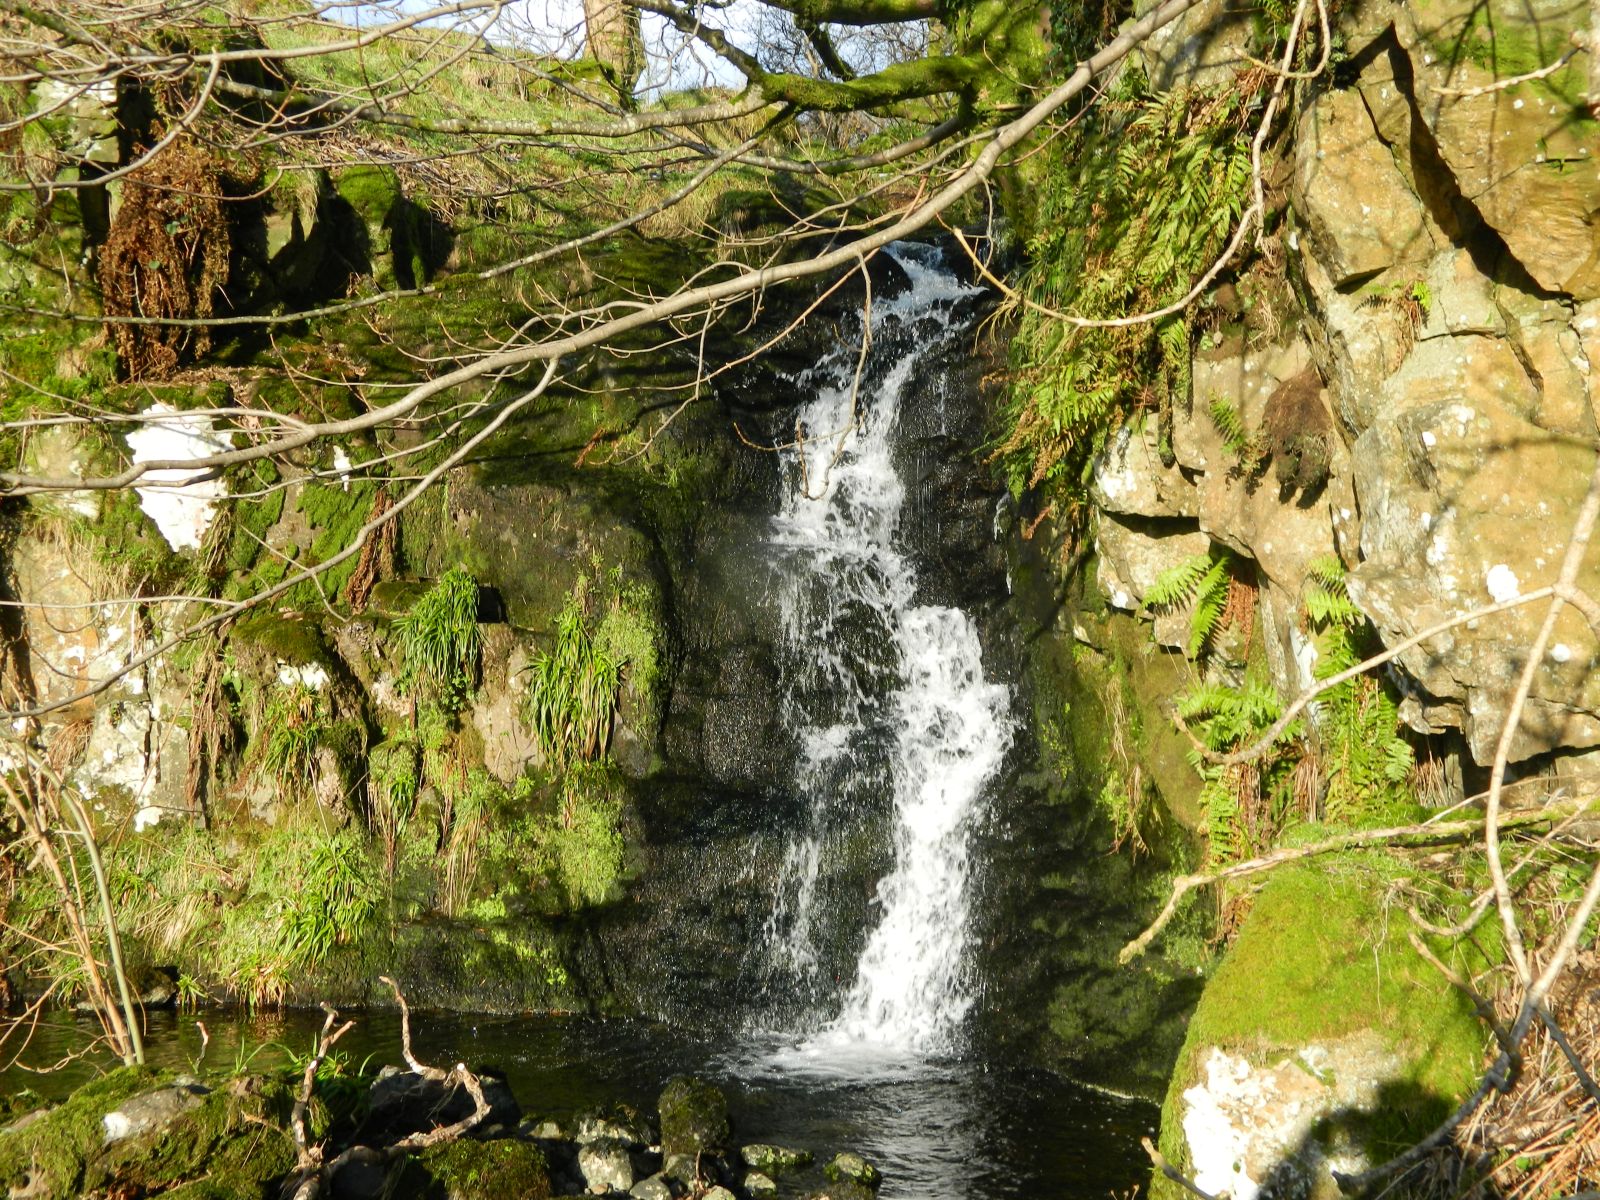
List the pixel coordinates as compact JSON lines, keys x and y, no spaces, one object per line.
{"x":572,"y":690}
{"x":440,"y":636}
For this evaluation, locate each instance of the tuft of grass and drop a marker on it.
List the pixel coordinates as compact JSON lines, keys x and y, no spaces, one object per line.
{"x":440,"y":636}
{"x":572,"y":690}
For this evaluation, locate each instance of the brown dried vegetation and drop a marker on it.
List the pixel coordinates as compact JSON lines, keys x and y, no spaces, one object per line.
{"x":166,"y":257}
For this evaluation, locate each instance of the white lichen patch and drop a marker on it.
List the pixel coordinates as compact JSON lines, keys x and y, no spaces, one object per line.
{"x":183,"y":509}
{"x":313,"y":676}
{"x":1501,"y":582}
{"x":342,"y":464}
{"x":1247,"y":1124}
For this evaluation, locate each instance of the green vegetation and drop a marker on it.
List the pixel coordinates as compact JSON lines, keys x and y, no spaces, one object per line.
{"x":581,"y":848}
{"x":1323,"y":954}
{"x":49,"y":1162}
{"x":1202,"y":582}
{"x":1103,"y":250}
{"x":1250,"y":450}
{"x":1246,"y":804}
{"x":573,"y":688}
{"x":471,"y":1170}
{"x":441,"y":638}
{"x":1367,"y":762}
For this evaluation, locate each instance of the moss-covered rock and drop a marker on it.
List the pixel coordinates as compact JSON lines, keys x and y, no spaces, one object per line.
{"x":230,"y":1146}
{"x":1321,"y":1004}
{"x":471,"y":1170}
{"x":47,"y":1157}
{"x":694,"y":1118}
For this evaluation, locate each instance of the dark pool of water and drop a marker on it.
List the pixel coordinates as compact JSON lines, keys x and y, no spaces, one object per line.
{"x":960,"y":1130}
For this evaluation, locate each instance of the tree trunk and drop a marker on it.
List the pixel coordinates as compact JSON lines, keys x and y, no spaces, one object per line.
{"x":614,"y":41}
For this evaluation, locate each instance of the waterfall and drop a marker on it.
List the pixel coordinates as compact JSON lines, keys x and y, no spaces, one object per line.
{"x":895,"y":718}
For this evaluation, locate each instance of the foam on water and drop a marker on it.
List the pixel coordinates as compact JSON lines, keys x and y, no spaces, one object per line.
{"x":889,"y":698}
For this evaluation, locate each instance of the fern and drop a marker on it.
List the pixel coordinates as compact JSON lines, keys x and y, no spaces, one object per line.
{"x":1245,"y":803}
{"x":1210,"y":598}
{"x":1368,"y":762}
{"x":1229,"y":424}
{"x":1105,"y":247}
{"x":1200,"y":580}
{"x":1177,"y":584}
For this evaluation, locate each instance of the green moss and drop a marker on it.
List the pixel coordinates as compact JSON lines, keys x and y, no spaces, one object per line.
{"x":232,"y":1147}
{"x":1319,"y":957}
{"x":630,"y":633}
{"x":336,"y":513}
{"x":373,"y":191}
{"x":581,"y":844}
{"x":468,"y":1170}
{"x":264,"y":639}
{"x":47,"y":1160}
{"x":126,"y":540}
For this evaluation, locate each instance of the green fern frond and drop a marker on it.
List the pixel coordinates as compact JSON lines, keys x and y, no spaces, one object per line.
{"x":1250,"y":450}
{"x":1177,"y":584}
{"x":1210,"y":598}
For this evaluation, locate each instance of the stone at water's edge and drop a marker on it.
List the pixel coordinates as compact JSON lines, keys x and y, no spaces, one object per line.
{"x":766,"y":1158}
{"x":694,"y":1118}
{"x":760,"y":1185}
{"x":850,"y":1165}
{"x":503,"y":1169}
{"x":606,"y":1164}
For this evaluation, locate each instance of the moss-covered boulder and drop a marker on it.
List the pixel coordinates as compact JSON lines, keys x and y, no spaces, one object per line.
{"x":694,"y":1118}
{"x":228,"y":1144}
{"x":138,"y":1132}
{"x":45,"y":1155}
{"x":1323,"y":1034}
{"x":471,"y":1170}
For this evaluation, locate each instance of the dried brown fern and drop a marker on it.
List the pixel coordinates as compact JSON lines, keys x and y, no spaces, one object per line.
{"x":166,"y":257}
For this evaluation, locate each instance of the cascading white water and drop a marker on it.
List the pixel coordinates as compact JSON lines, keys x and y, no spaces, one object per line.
{"x":888,"y":697}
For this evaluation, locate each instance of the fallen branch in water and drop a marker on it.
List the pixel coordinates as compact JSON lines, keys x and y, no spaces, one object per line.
{"x":1422,"y":834}
{"x":312,"y":1174}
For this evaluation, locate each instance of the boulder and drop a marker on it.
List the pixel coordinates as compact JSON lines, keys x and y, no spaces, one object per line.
{"x":1204,"y":48}
{"x":621,"y":1123}
{"x":1130,"y":478}
{"x":402,"y":1102}
{"x":1361,"y":215}
{"x":758,"y":1183}
{"x":694,"y":1118}
{"x":1466,"y":502}
{"x":606,"y":1165}
{"x":467,"y":1169}
{"x":850,"y":1165}
{"x":152,"y":1112}
{"x":1308,"y":1029}
{"x":1130,"y":560}
{"x":655,"y":1187}
{"x":761,"y":1156}
{"x":1522,"y":156}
